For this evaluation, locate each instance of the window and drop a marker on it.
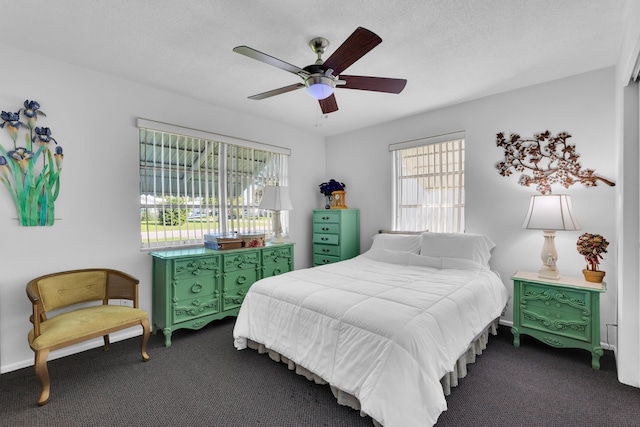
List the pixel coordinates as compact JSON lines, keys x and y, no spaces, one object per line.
{"x":429,"y":184}
{"x":194,"y":183}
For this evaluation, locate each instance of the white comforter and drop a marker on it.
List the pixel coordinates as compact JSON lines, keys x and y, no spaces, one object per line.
{"x":385,"y":332}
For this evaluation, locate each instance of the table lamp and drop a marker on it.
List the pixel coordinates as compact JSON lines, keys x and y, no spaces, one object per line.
{"x":276,"y":198}
{"x":549,"y":213}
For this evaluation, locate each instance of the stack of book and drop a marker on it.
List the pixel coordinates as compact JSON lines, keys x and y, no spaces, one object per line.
{"x":223,"y":241}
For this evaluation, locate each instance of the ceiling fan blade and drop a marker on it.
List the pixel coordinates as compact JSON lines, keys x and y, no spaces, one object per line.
{"x":279,"y":91}
{"x":377,"y":84}
{"x":267,"y":59}
{"x":329,"y":104}
{"x":354,"y":48}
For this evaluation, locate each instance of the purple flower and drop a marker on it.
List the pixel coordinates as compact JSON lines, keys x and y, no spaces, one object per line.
{"x":58,"y":156}
{"x":32,"y":109}
{"x":12,"y":120}
{"x":327,"y":188}
{"x":43,"y":136}
{"x":22,"y":156}
{"x":4,"y":168}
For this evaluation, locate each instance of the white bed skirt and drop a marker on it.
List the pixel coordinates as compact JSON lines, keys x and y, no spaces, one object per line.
{"x":459,"y":370}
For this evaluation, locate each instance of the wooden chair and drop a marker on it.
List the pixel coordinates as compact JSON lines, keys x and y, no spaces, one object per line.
{"x":72,"y":292}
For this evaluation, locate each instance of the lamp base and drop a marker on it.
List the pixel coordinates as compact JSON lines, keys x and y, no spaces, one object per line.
{"x":277,"y":228}
{"x":546,"y":272}
{"x":549,"y":257}
{"x":278,"y":239}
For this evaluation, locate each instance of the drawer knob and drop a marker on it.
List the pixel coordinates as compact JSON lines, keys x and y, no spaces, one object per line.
{"x":325,"y":228}
{"x":325,"y":250}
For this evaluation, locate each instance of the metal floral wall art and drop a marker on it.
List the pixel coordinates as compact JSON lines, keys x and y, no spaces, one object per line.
{"x":31,"y":172}
{"x":545,"y":160}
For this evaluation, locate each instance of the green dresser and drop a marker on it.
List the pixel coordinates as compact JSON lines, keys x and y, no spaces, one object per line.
{"x":336,"y":235}
{"x":563,"y":313}
{"x":192,"y":287}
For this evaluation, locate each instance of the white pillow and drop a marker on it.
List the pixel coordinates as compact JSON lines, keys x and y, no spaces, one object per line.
{"x":475,"y":247}
{"x":397,"y":242}
{"x":387,"y":255}
{"x":425,"y":261}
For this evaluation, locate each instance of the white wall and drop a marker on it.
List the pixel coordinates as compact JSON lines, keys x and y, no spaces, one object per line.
{"x":92,"y":116}
{"x":582,"y":105}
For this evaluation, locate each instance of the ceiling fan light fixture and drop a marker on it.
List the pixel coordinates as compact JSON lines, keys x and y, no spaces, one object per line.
{"x":319,"y":86}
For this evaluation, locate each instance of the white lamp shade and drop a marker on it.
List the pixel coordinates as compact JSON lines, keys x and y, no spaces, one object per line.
{"x":551,"y":212}
{"x":276,"y":198}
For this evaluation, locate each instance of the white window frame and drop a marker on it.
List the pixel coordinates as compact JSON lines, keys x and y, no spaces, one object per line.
{"x":226,"y":177}
{"x":428,"y":183}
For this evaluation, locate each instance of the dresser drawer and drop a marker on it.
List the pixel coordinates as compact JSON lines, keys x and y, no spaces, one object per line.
{"x":240,"y":260}
{"x":186,"y":310}
{"x":233,"y":298}
{"x":557,"y":322}
{"x":277,"y":255}
{"x":570,"y":301}
{"x":189,"y":267}
{"x":238,"y":279}
{"x":327,"y":239}
{"x":275,"y":269}
{"x":189,"y":287}
{"x":328,"y":228}
{"x":326,"y":250}
{"x":326,"y":216}
{"x":324,"y":259}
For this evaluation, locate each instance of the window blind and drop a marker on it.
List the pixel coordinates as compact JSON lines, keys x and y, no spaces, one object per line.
{"x":429,"y":184}
{"x":191,"y":185}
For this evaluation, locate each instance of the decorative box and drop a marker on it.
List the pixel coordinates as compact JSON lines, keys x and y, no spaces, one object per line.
{"x":252,"y":240}
{"x":222,"y":241}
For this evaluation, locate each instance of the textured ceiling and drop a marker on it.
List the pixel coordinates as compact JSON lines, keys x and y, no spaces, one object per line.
{"x":449,"y":50}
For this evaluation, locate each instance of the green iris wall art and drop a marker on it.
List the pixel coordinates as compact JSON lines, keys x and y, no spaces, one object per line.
{"x":31,"y":172}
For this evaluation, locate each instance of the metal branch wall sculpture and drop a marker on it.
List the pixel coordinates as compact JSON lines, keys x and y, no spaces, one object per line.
{"x":548,"y":159}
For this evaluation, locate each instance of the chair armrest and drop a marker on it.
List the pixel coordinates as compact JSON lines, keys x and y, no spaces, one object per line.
{"x":32,"y":293}
{"x":38,"y":311}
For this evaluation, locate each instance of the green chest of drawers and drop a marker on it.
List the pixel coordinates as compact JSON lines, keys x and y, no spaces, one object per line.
{"x":336,"y":235}
{"x":563,"y":313}
{"x":192,"y":287}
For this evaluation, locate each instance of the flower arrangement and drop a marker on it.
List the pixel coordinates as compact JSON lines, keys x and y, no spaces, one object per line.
{"x":591,"y":247}
{"x":33,"y":187}
{"x":329,"y":187}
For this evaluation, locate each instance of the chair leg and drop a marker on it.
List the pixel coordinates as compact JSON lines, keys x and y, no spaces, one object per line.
{"x":145,"y":339}
{"x":42,"y":373}
{"x":107,"y":344}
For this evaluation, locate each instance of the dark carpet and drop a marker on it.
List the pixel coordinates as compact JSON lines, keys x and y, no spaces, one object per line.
{"x":201,"y":380}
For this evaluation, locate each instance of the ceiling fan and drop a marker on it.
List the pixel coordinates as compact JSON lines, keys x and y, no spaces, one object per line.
{"x":322,"y":77}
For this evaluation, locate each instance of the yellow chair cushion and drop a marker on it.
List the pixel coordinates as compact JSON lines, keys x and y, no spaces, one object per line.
{"x":79,"y":323}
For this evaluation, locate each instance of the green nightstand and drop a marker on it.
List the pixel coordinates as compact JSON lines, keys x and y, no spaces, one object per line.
{"x":563,"y":313}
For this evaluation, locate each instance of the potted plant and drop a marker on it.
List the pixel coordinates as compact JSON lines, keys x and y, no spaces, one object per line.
{"x":591,"y":247}
{"x":327,"y":188}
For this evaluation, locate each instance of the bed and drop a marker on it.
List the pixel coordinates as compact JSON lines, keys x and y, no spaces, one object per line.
{"x":390,"y":330}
